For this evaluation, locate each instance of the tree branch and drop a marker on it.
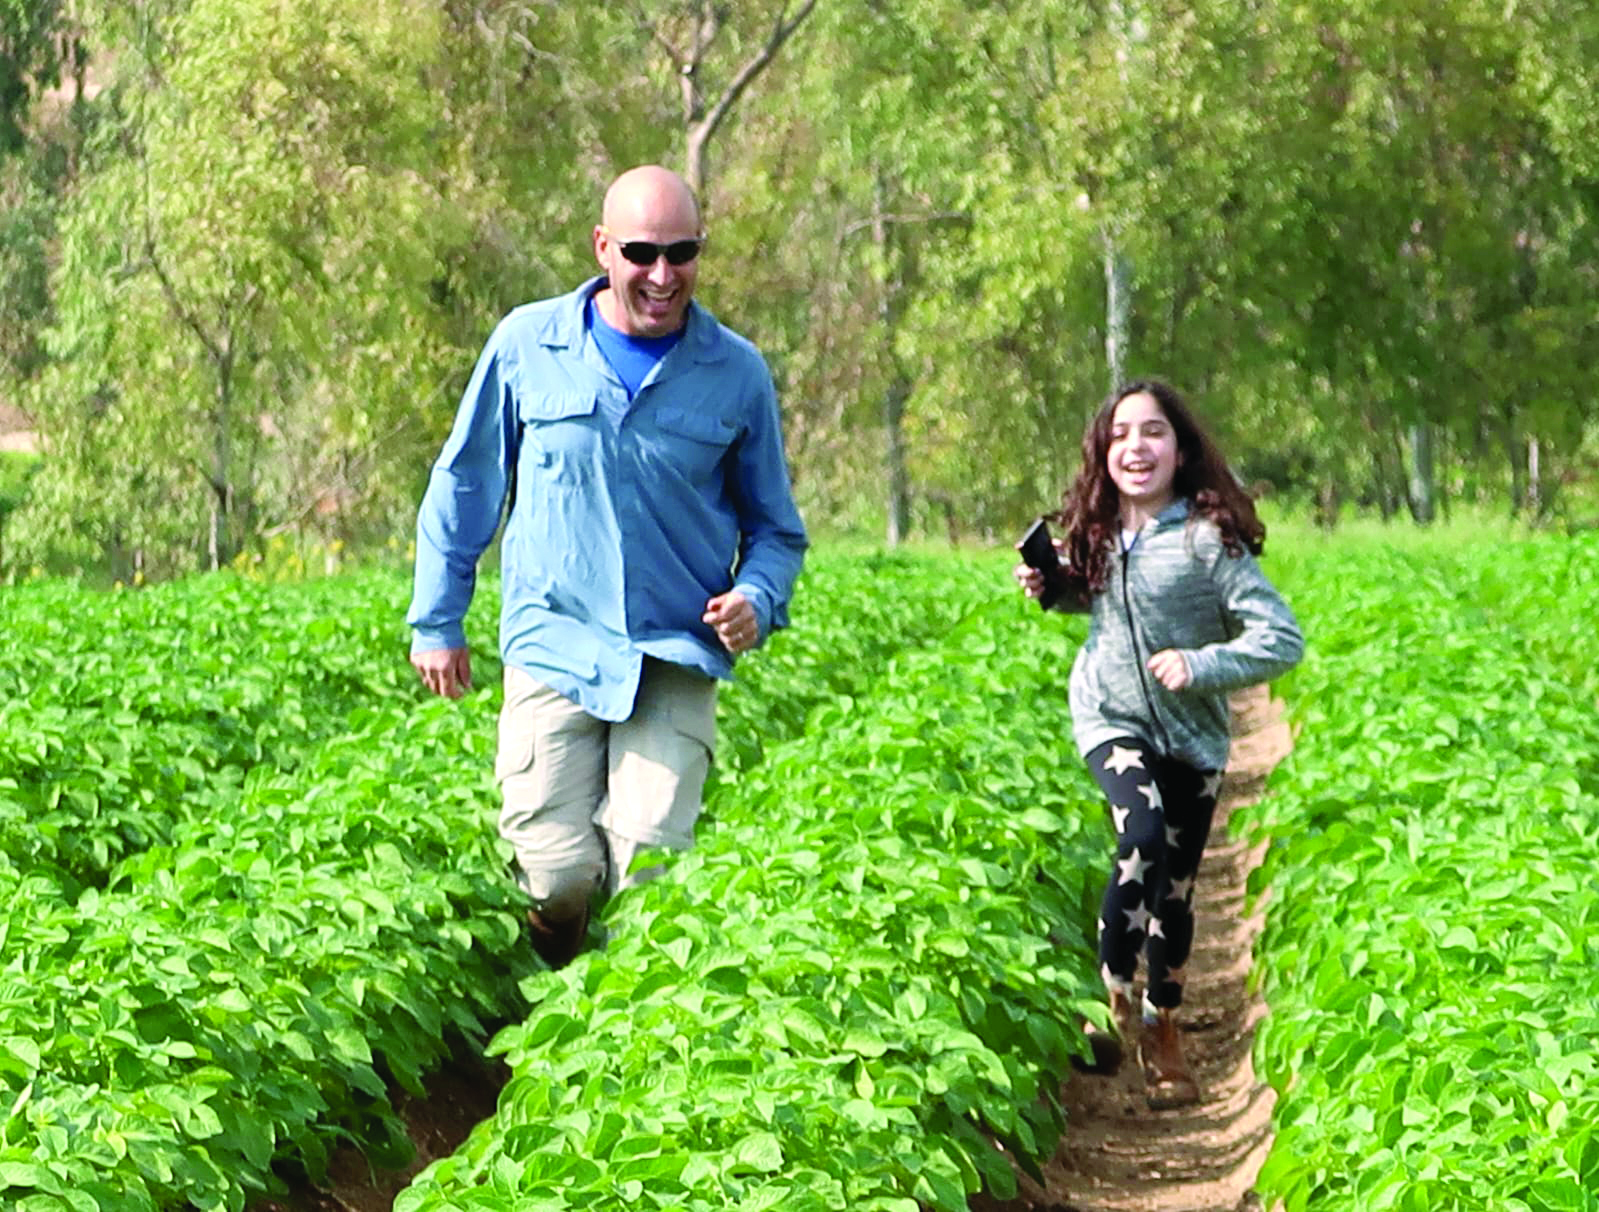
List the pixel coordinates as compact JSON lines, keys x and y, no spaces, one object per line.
{"x":936,"y":216}
{"x":781,"y":32}
{"x":185,"y":316}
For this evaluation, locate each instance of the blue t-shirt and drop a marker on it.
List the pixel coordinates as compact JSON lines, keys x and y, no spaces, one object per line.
{"x":632,"y":358}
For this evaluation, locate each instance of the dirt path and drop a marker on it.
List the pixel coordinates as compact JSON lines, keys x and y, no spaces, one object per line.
{"x":1119,"y":1156}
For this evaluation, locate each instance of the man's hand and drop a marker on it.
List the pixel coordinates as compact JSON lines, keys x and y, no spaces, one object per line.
{"x":1169,"y":668}
{"x":446,"y":671}
{"x":733,"y":616}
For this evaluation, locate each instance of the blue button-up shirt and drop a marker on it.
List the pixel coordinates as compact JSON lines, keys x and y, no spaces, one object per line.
{"x":626,"y":517}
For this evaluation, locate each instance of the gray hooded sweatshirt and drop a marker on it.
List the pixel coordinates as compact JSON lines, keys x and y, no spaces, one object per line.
{"x":1177,"y":587}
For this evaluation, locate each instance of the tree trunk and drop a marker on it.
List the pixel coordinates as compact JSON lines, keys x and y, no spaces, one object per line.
{"x":1518,"y":483}
{"x":1118,"y":307}
{"x":899,"y":495}
{"x":898,"y":390}
{"x":696,"y":159}
{"x":1388,"y":475}
{"x":1422,"y":494}
{"x":1534,"y":478}
{"x":1441,"y":477}
{"x":702,"y":119}
{"x":1326,"y":512}
{"x":219,"y":547}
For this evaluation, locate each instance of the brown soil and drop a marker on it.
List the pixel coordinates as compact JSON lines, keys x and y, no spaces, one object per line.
{"x":461,"y":1095}
{"x":1118,"y":1155}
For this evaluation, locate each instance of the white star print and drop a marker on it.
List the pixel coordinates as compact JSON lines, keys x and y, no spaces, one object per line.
{"x":1102,"y":925}
{"x":1119,"y":815}
{"x":1121,"y":759}
{"x":1171,"y":834}
{"x":1181,"y":890}
{"x":1132,"y":868}
{"x":1151,"y":792}
{"x":1154,"y":928}
{"x":1137,"y":919}
{"x":1212,"y":787}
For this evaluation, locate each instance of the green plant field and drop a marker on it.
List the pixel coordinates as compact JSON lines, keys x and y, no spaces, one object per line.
{"x":248,"y":889}
{"x":1431,"y":958}
{"x":873,"y":957}
{"x":252,"y":891}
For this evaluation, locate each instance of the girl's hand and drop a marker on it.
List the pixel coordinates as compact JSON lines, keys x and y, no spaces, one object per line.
{"x":1169,"y":668}
{"x":1029,"y":578}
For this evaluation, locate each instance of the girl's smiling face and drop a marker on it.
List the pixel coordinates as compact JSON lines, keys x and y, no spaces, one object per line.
{"x":1143,"y":455}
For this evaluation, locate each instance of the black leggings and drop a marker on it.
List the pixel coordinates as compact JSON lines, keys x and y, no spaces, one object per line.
{"x":1162,"y":809}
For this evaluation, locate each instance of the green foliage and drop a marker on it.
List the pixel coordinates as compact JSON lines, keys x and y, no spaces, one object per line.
{"x":872,"y":961}
{"x":27,"y":212}
{"x":258,"y":892}
{"x":250,"y":889}
{"x":27,"y":57}
{"x":16,"y":469}
{"x":252,"y":267}
{"x":242,"y":306}
{"x":1433,"y":926}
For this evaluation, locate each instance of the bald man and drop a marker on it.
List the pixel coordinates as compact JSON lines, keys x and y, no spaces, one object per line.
{"x":651,"y":539}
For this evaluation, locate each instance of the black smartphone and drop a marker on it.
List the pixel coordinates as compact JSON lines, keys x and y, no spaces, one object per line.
{"x":1038,"y":551}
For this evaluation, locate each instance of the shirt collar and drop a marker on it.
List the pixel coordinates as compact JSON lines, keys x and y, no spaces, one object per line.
{"x":564,"y":327}
{"x":1172,"y":514}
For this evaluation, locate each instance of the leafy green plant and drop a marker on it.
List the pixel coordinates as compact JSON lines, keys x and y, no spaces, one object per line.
{"x":1434,"y":924}
{"x":866,"y":971}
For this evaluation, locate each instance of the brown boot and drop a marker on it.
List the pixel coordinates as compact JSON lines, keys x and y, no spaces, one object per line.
{"x":557,"y":940}
{"x":1167,"y":1081}
{"x":1110,"y":1048}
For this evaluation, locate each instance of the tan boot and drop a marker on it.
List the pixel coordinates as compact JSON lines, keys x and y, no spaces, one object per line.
{"x":1168,"y":1083}
{"x":1110,"y":1048}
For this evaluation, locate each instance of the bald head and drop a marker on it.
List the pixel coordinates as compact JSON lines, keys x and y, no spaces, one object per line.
{"x":651,"y":213}
{"x":650,"y":196}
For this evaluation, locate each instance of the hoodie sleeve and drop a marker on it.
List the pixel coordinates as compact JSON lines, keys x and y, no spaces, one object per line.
{"x":1265,"y":638}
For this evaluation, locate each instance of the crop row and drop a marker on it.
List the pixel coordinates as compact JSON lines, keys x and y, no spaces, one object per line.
{"x":1431,"y":958}
{"x":864,"y":975}
{"x":250,"y":876}
{"x":247,"y":992}
{"x":126,"y":713}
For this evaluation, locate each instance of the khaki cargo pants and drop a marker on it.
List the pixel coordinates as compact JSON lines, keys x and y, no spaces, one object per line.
{"x":582,"y":796}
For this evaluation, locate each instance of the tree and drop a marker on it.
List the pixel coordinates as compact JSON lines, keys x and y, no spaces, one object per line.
{"x":247,"y":241}
{"x":28,"y":62}
{"x":685,"y":33}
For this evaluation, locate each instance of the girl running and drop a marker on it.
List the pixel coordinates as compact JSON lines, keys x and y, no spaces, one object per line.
{"x":1159,"y":548}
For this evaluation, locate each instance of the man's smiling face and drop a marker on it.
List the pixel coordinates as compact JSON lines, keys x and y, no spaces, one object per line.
{"x":651,"y":208}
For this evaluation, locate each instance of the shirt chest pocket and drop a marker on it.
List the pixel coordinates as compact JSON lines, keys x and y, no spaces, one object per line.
{"x":692,"y":443}
{"x":560,"y":435}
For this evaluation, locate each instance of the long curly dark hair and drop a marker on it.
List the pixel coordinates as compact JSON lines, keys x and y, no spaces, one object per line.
{"x":1090,"y":512}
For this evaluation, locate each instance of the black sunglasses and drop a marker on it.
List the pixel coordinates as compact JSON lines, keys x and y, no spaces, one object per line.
{"x":645,"y":252}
